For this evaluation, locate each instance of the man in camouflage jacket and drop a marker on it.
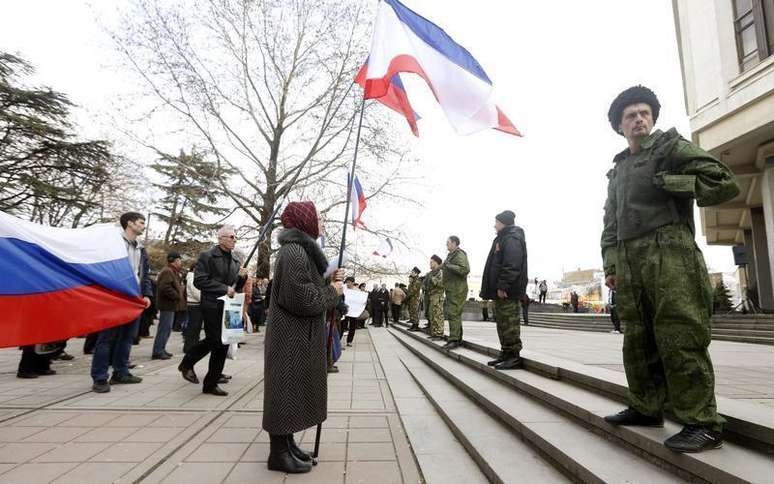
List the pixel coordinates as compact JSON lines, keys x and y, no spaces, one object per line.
{"x":413,"y":298}
{"x":651,"y":259}
{"x":434,"y":282}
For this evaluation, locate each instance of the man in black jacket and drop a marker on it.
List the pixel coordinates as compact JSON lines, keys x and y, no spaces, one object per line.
{"x":505,"y":281}
{"x":218,"y":273}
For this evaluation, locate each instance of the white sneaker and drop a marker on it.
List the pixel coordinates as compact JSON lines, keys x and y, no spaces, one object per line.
{"x":615,"y":332}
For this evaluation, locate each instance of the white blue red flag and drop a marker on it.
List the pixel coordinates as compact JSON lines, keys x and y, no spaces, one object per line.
{"x":395,"y":98}
{"x":357,"y":204}
{"x":59,"y":283}
{"x":404,"y":41}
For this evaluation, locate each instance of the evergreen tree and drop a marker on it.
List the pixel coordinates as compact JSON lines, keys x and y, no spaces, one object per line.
{"x":46,"y":174}
{"x":191,"y":194}
{"x":722,"y":298}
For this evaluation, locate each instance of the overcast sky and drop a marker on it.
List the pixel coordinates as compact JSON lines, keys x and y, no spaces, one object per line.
{"x":555,"y":72}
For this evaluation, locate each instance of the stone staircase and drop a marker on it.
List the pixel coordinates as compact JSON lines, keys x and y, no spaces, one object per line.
{"x":740,"y":328}
{"x":544,"y":423}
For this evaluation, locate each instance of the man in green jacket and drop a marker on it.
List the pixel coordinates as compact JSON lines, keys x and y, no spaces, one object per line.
{"x":455,"y":282}
{"x":413,"y":298}
{"x":652,"y":261}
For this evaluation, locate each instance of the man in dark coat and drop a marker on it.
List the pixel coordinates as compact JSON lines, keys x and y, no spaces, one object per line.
{"x":505,"y":281}
{"x":295,"y":393}
{"x":169,"y":294}
{"x":218,"y":273}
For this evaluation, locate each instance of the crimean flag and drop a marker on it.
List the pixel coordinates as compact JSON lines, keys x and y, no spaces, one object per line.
{"x":384,"y":249}
{"x":395,"y":98}
{"x":357,"y":204}
{"x":404,"y":41}
{"x":59,"y":283}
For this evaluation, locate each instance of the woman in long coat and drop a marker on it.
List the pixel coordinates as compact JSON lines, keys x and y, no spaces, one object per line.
{"x":295,"y":378}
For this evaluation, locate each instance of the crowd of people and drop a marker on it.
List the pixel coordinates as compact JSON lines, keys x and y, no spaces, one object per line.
{"x":647,"y":246}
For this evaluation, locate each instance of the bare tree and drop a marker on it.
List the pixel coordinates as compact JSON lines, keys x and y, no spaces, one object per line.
{"x":267,"y":87}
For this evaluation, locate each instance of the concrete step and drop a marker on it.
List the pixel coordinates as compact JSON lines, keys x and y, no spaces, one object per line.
{"x":502,"y":456}
{"x":734,"y":463}
{"x":579,"y":452}
{"x":440,"y":455}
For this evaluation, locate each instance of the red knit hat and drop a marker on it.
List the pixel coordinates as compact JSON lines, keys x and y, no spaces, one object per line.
{"x":301,"y":216}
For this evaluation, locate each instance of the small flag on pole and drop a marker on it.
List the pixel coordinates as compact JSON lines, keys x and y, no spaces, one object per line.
{"x":59,"y":283}
{"x":395,"y":98}
{"x":404,"y":41}
{"x":357,"y":204}
{"x":384,"y":249}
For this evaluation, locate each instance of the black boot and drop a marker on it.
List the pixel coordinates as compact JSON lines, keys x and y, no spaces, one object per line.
{"x":511,"y":363}
{"x":497,"y":360}
{"x":297,"y":452}
{"x":631,"y":416}
{"x":281,"y":459}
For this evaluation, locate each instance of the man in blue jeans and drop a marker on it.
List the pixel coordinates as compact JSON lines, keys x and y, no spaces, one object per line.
{"x":114,"y":344}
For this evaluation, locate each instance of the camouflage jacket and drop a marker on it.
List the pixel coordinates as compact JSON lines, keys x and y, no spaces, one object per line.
{"x":434,"y":282}
{"x":455,"y":271}
{"x":415,"y":285}
{"x":656,"y":186}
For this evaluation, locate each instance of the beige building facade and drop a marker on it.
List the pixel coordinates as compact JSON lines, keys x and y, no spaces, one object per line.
{"x":727,"y":58}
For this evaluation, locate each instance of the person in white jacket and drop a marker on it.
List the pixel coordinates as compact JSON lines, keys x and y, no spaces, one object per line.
{"x":194,"y":328}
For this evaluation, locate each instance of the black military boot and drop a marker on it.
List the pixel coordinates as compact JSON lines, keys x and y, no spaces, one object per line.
{"x":281,"y":458}
{"x":298,"y":452}
{"x":694,"y":438}
{"x":497,"y":360}
{"x":631,"y":416}
{"x":511,"y":363}
{"x":414,"y":327}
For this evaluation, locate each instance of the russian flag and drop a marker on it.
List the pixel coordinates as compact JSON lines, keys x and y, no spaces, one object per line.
{"x":395,"y":98}
{"x":59,"y":283}
{"x":357,"y":204}
{"x":407,"y":42}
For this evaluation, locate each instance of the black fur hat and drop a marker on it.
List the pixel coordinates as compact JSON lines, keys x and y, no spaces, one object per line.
{"x":633,"y":95}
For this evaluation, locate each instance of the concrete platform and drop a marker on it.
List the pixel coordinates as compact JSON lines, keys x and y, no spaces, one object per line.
{"x":54,"y":429}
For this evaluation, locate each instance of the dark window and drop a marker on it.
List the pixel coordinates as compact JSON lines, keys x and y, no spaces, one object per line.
{"x":754,"y":27}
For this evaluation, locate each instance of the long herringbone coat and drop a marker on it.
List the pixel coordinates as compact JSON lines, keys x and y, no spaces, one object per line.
{"x":295,"y":377}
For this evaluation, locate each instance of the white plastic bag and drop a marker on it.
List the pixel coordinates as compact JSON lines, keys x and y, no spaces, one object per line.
{"x":233,"y":330}
{"x":232,"y":351}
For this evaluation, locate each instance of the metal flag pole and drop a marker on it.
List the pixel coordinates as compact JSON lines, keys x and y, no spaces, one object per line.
{"x":341,"y":256}
{"x":264,"y":230}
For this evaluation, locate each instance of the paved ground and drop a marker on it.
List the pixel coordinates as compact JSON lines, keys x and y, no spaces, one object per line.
{"x":743,"y":371}
{"x":53,"y":429}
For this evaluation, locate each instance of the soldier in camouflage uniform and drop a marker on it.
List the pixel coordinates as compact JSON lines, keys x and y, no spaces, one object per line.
{"x":505,"y":281}
{"x":434,"y":281}
{"x":455,"y":282}
{"x":651,"y":259}
{"x":413,"y":298}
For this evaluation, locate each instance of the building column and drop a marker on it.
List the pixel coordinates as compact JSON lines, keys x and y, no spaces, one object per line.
{"x":761,"y":254}
{"x":767,"y":214}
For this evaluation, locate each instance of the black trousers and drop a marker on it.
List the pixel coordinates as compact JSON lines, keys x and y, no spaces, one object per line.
{"x":542,"y":298}
{"x":350,"y":324}
{"x":525,"y":313}
{"x":193,"y":330}
{"x":396,"y":312}
{"x":378,"y":314}
{"x":32,"y":362}
{"x":615,"y":319}
{"x":210,"y":344}
{"x":89,"y":343}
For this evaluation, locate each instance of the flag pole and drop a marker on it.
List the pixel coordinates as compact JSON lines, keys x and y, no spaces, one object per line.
{"x":350,"y":185}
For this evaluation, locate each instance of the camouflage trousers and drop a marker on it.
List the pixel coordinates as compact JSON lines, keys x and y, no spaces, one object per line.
{"x":413,"y":308}
{"x":507,"y":316}
{"x":665,"y":298}
{"x":435,"y":314}
{"x":454,"y":304}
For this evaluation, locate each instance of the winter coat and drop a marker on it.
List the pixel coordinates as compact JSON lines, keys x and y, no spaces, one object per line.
{"x":506,"y":265}
{"x":169,"y":290}
{"x":216,"y":271}
{"x":295,"y":369}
